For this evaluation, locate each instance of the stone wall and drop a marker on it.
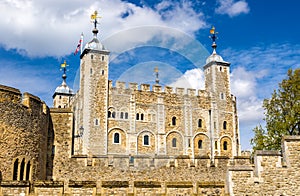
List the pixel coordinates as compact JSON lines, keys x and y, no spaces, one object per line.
{"x":24,"y":130}
{"x":131,"y":175}
{"x":112,"y":188}
{"x":151,"y":110}
{"x":274,"y":173}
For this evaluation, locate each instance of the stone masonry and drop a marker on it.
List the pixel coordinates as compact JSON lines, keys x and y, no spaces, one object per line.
{"x":130,"y":139}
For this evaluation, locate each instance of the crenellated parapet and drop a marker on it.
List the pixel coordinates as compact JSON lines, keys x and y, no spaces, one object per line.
{"x":273,"y":172}
{"x":9,"y":94}
{"x":13,"y":95}
{"x":24,"y":128}
{"x":131,"y":87}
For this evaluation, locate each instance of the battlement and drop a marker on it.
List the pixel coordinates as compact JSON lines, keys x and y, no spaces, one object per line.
{"x":32,"y":102}
{"x":10,"y":94}
{"x":123,"y":87}
{"x":271,"y":169}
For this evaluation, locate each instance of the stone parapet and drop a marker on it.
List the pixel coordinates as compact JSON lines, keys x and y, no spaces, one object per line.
{"x":122,"y":86}
{"x":102,"y":187}
{"x":273,"y":172}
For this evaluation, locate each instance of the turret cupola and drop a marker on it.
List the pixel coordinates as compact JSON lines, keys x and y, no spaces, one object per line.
{"x":95,"y":44}
{"x":63,"y":93}
{"x":214,"y":57}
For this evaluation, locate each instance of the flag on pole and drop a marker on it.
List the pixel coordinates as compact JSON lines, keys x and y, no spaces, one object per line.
{"x":79,"y":45}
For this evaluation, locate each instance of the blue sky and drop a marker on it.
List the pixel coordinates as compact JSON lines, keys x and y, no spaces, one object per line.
{"x":260,"y":39}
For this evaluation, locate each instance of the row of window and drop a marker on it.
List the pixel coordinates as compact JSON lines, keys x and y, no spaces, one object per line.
{"x":140,"y":117}
{"x":21,"y":170}
{"x":146,"y":141}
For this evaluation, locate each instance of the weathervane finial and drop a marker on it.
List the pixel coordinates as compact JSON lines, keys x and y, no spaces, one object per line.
{"x":213,"y":37}
{"x":64,"y":69}
{"x":94,"y":20}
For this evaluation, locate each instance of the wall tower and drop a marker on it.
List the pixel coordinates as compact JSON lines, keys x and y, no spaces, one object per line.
{"x":90,"y":105}
{"x":223,"y":118}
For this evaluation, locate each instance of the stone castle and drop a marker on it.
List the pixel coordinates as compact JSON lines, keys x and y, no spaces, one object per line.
{"x":135,"y":140}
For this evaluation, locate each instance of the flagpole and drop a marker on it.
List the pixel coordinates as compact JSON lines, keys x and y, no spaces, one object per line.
{"x":81,"y":46}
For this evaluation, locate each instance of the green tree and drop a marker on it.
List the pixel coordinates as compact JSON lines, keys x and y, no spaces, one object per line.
{"x":282,"y":114}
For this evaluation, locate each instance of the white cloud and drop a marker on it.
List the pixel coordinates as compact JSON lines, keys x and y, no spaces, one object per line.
{"x":52,"y":28}
{"x":193,"y":78}
{"x":232,"y":8}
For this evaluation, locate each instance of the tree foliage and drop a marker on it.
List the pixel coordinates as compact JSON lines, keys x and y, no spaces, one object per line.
{"x":282,"y":114}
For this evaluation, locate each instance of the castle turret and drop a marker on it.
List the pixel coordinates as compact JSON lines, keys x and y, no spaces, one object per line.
{"x":91,"y":115}
{"x":223,"y":119}
{"x":63,"y":93}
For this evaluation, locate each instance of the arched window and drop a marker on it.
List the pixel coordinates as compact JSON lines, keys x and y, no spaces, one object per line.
{"x":174,"y":141}
{"x":22,"y":170}
{"x":200,"y":144}
{"x":224,"y":125}
{"x":146,"y":140}
{"x":28,"y":170}
{"x":225,"y":145}
{"x":126,"y":115}
{"x":15,"y":172}
{"x":122,"y":115}
{"x":117,"y":138}
{"x":111,"y":113}
{"x":173,"y":120}
{"x":199,"y":123}
{"x":140,"y":116}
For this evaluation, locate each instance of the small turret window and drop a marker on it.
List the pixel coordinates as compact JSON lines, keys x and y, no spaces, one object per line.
{"x":174,"y":142}
{"x":116,"y":138}
{"x":96,"y":122}
{"x":225,"y":125}
{"x":200,"y":144}
{"x":222,"y":96}
{"x":173,"y":120}
{"x":102,"y":58}
{"x":199,"y":123}
{"x":225,"y":145}
{"x":146,"y":140}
